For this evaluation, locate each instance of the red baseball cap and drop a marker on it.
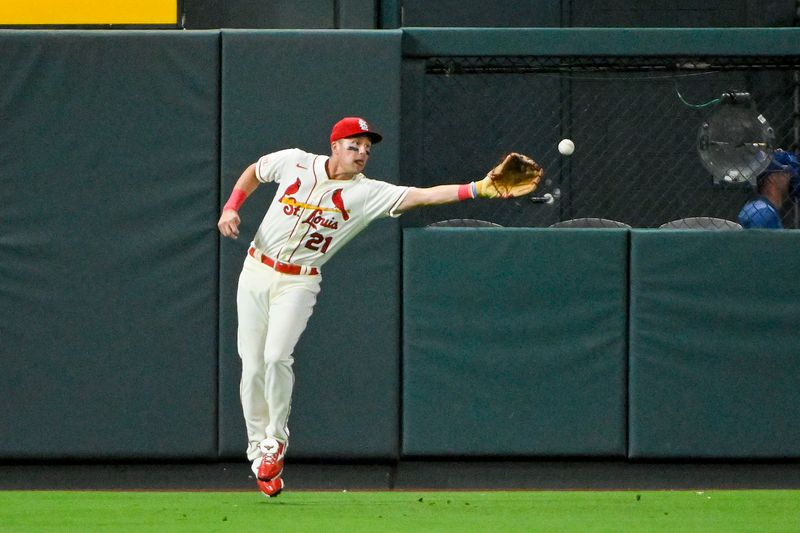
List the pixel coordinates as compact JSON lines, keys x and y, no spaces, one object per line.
{"x":352,"y":126}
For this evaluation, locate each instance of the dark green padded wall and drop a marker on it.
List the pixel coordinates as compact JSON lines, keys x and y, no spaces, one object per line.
{"x":285,"y":89}
{"x":714,"y":344}
{"x":109,"y":329}
{"x":514,"y":342}
{"x":108,"y":269}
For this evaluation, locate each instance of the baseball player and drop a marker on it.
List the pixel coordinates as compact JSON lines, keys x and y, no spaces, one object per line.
{"x":321,"y":203}
{"x":773,"y":186}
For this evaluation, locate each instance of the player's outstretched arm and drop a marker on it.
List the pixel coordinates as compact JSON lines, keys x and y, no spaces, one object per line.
{"x":229,"y":219}
{"x":438,"y":195}
{"x":446,"y":194}
{"x":516,"y":175}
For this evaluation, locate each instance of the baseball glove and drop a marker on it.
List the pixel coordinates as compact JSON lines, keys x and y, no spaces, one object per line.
{"x":516,"y":175}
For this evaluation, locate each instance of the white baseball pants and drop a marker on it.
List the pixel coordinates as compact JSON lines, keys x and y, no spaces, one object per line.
{"x":273,"y":311}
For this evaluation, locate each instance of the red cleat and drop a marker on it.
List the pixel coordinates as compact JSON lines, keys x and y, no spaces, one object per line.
{"x":272,"y":460}
{"x":271,"y":488}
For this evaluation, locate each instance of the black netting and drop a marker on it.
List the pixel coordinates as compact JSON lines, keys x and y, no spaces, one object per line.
{"x":635,"y":122}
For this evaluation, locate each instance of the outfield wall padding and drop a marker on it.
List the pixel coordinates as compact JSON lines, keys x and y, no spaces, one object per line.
{"x":514,"y":342}
{"x":108,"y":247}
{"x":117,"y":313}
{"x":284,"y":89}
{"x":714,"y":344}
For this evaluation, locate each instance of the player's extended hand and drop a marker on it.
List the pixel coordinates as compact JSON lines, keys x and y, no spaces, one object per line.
{"x":229,"y":223}
{"x":516,"y":175}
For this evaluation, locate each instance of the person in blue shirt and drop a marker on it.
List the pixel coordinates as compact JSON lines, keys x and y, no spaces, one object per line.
{"x":773,"y":186}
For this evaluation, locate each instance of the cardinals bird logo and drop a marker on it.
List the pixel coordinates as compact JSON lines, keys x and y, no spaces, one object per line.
{"x":339,"y":203}
{"x":291,"y":189}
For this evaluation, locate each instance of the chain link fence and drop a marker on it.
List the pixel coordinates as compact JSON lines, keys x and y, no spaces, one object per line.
{"x":636,"y":123}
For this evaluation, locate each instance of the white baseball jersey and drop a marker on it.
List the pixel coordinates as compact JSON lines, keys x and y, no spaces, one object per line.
{"x":312,"y":216}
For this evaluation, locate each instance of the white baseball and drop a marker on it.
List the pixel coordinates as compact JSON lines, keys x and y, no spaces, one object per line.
{"x":566,"y":147}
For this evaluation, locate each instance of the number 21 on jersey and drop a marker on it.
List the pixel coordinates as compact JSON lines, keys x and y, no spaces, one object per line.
{"x":318,"y":243}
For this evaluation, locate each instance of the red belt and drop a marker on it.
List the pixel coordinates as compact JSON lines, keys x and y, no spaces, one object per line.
{"x":283,"y":268}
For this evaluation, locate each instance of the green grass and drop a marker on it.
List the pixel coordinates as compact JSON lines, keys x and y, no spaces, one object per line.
{"x":623,"y":511}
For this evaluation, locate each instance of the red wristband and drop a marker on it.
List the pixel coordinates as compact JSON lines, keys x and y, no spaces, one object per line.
{"x":237,"y":198}
{"x":465,"y":192}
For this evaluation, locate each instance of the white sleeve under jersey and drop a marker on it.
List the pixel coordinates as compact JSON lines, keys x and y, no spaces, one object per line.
{"x":311,"y":216}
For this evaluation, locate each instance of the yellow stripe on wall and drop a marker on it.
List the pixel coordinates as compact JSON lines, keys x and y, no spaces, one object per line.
{"x":38,"y":12}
